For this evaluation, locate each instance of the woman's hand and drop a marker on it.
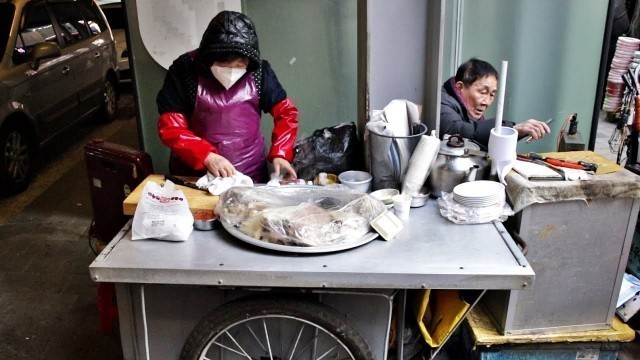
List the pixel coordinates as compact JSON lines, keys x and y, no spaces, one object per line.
{"x":534,"y":128}
{"x":218,"y":165}
{"x":282,"y":164}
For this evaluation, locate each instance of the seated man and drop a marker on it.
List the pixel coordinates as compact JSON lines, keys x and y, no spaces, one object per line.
{"x":465,"y":98}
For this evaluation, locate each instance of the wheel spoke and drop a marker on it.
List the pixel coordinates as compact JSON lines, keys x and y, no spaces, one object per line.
{"x":295,"y":344}
{"x":255,"y":337}
{"x":266,"y":335}
{"x":326,"y":353}
{"x":282,"y":337}
{"x":228,"y":348}
{"x":307,"y":345}
{"x":241,"y":352}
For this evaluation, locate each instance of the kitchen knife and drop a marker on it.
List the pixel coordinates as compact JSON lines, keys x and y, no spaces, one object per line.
{"x":183,"y":182}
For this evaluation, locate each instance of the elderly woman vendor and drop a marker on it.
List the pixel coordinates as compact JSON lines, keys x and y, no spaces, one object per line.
{"x":211,"y":102}
{"x":465,"y":98}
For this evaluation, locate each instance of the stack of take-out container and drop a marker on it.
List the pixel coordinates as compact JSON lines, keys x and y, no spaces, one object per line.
{"x":622,"y":59}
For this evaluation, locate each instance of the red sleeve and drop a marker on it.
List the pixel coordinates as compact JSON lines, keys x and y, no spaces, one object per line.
{"x":285,"y":130}
{"x":175,"y":134}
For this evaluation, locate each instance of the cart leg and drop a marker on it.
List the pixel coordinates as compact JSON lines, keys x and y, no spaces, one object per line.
{"x":107,"y":307}
{"x":402,"y":304}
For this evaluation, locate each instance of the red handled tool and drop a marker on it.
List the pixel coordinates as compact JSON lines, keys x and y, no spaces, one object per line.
{"x":580,"y":165}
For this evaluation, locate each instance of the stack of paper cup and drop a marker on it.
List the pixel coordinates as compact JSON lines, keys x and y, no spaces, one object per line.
{"x":502,"y":150}
{"x":420,"y":163}
{"x":621,"y":62}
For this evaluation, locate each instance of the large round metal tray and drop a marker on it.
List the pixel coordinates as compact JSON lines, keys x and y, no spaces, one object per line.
{"x":299,"y":249}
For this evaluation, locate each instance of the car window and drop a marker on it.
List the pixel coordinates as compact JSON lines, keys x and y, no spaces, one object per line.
{"x":6,"y":18}
{"x":93,"y":16}
{"x":115,"y":16}
{"x":36,"y":29}
{"x":72,"y":23}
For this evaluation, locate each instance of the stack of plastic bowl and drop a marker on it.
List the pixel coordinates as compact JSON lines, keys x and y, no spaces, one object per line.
{"x":622,"y":59}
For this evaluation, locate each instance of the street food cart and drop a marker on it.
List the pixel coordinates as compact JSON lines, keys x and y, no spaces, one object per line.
{"x":578,"y":234}
{"x":345,"y":298}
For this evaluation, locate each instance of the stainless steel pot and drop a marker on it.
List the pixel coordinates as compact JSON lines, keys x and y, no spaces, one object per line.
{"x":459,"y":160}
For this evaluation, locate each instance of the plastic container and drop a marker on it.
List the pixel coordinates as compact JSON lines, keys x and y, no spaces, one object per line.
{"x":387,"y":225}
{"x":357,"y":180}
{"x":419,"y":200}
{"x":385,"y":195}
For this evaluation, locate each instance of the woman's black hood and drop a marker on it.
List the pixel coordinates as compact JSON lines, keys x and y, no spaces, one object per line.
{"x":231,"y":31}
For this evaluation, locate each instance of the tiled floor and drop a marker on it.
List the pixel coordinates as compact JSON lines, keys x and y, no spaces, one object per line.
{"x":47,"y":300}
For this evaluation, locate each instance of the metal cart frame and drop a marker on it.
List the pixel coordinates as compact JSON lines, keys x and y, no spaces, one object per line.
{"x":164,"y":288}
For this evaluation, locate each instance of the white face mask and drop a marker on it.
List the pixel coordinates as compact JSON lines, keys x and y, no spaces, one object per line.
{"x":227,"y":76}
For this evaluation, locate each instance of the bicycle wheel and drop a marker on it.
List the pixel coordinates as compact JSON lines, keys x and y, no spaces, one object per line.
{"x":275,"y":329}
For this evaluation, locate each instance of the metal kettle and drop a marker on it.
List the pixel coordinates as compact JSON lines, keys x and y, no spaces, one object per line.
{"x":459,"y":160}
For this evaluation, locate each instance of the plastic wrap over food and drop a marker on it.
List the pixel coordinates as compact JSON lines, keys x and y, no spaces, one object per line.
{"x":299,"y":215}
{"x":462,"y":214}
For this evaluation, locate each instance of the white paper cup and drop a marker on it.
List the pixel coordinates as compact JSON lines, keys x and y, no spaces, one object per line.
{"x":402,"y":206}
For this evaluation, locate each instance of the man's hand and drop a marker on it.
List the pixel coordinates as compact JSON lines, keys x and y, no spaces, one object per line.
{"x":280,"y":164}
{"x":219,"y":166}
{"x":534,"y":128}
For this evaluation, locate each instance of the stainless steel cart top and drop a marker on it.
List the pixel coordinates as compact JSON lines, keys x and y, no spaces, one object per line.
{"x":430,"y":252}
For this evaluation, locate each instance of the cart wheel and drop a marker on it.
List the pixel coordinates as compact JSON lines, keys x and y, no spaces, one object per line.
{"x":275,"y":329}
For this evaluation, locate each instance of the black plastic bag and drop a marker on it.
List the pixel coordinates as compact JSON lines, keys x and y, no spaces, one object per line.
{"x":331,"y":150}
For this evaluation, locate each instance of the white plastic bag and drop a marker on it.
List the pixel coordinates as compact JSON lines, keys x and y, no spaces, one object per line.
{"x":162,"y":213}
{"x":462,"y":214}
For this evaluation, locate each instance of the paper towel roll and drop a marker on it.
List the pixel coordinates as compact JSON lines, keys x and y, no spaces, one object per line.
{"x":502,"y":150}
{"x":422,"y":159}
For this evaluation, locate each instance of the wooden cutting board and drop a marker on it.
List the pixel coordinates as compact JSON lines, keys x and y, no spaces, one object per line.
{"x":198,"y":199}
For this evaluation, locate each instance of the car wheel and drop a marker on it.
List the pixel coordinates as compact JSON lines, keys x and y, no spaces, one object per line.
{"x":17,"y":152}
{"x":109,"y":100}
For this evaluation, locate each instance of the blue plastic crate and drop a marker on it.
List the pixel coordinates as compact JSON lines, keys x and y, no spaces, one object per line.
{"x":573,"y":351}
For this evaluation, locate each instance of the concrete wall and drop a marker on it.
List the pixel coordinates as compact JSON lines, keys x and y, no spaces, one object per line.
{"x":553,"y":48}
{"x":311,"y":45}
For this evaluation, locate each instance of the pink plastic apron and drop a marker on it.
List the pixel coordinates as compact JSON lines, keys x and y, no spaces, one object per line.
{"x":230,"y":120}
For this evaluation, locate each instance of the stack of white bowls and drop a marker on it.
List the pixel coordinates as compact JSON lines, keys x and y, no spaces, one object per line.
{"x":481,"y":193}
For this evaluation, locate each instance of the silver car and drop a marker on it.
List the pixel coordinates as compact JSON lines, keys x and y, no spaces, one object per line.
{"x":58,"y":67}
{"x":117,"y":19}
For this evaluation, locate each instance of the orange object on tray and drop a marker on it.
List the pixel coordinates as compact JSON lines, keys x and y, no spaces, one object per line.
{"x":204,"y":215}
